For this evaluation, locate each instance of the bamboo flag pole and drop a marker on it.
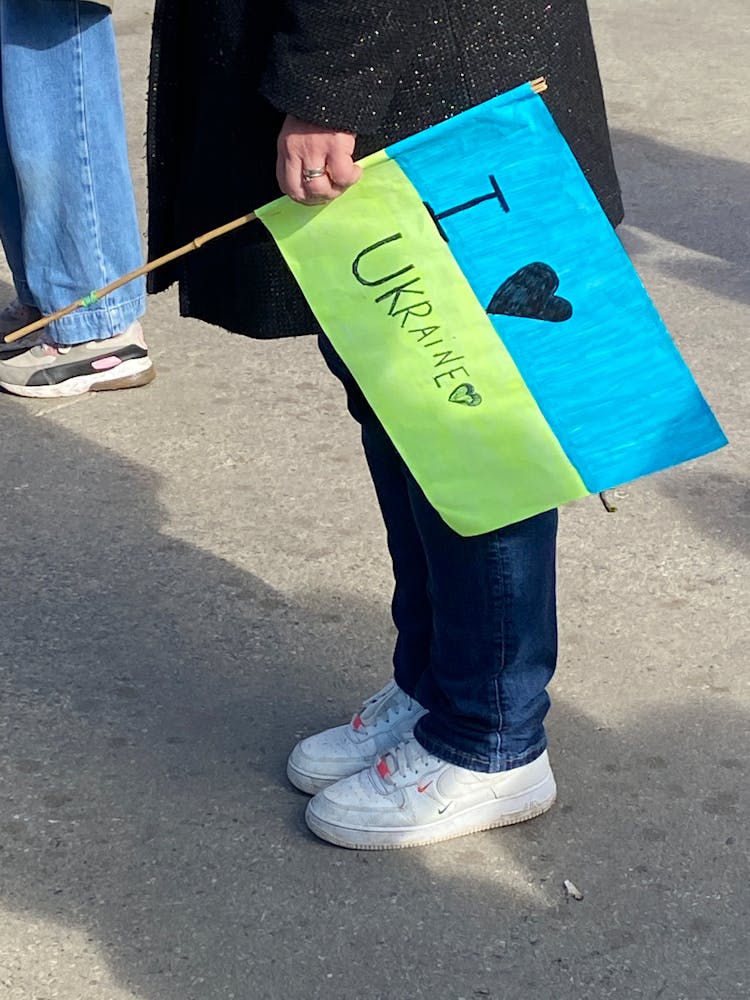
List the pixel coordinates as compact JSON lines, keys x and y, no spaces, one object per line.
{"x":538,"y":86}
{"x":89,"y":300}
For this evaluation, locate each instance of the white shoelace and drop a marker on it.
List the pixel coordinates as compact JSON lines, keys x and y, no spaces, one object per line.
{"x":374,"y":712}
{"x":408,"y":758}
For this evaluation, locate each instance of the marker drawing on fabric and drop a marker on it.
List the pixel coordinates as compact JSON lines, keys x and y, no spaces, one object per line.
{"x":502,"y":337}
{"x":514,"y":302}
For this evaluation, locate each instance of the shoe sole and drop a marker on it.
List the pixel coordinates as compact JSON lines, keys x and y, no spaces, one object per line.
{"x":129,"y":375}
{"x":515,"y":809}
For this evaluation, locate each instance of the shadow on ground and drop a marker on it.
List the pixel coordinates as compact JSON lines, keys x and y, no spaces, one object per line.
{"x":150,"y":694}
{"x":696,"y":201}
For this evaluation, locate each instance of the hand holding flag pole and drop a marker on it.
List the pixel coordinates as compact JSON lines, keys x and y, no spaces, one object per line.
{"x":538,"y":86}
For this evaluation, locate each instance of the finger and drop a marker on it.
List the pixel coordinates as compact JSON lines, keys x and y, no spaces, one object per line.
{"x":289,"y":174}
{"x":342,"y":170}
{"x":318,"y":190}
{"x":290,"y":178}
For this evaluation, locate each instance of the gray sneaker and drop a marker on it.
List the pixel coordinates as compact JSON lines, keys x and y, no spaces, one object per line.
{"x":49,"y":370}
{"x":12,"y":318}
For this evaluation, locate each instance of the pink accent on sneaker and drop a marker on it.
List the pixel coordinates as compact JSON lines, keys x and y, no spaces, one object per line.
{"x":382,"y":768}
{"x":357,"y":722}
{"x":103,"y":364}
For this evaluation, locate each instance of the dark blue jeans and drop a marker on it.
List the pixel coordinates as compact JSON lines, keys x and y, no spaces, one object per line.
{"x":476,"y":618}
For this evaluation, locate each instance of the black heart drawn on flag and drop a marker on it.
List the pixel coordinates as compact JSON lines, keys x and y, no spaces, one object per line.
{"x":530,"y":293}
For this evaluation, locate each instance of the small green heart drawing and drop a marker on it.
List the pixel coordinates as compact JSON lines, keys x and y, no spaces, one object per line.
{"x":466,"y":394}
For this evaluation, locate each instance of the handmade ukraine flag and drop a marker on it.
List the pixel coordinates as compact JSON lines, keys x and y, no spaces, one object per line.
{"x":480,"y":297}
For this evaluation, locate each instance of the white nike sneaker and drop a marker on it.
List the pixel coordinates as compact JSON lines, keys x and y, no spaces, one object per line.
{"x":383,"y":721}
{"x":409,"y":798}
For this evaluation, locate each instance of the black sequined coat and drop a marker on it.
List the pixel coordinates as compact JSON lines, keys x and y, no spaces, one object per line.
{"x":224,"y":73}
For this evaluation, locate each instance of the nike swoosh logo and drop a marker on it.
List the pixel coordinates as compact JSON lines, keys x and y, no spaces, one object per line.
{"x":423,"y":788}
{"x":441,"y":811}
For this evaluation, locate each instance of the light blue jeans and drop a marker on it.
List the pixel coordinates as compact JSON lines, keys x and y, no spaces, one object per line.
{"x":68,"y":219}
